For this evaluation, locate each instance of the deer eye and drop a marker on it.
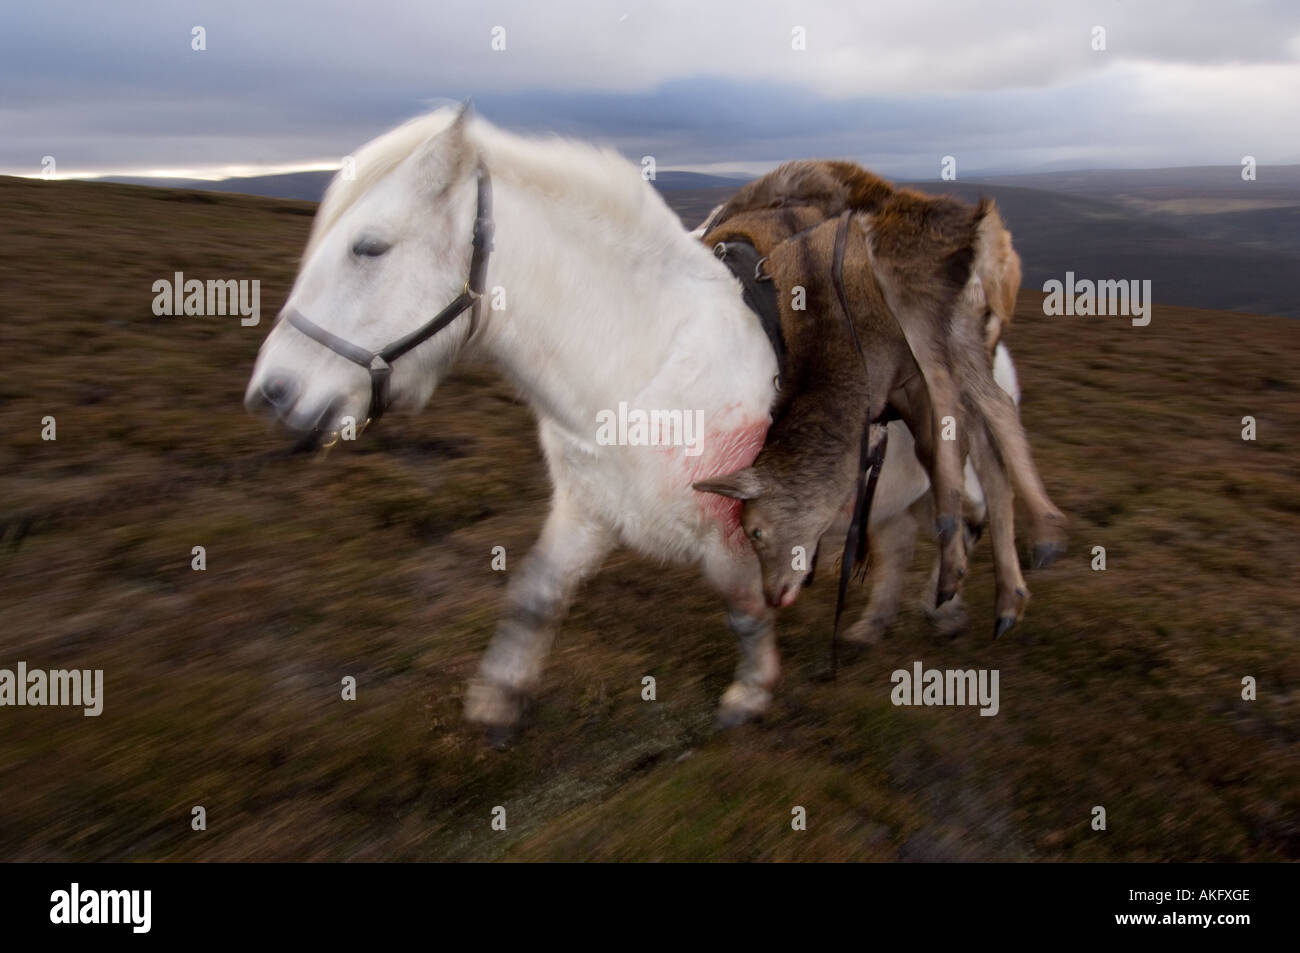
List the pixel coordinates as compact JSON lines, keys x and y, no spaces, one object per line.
{"x":369,"y":246}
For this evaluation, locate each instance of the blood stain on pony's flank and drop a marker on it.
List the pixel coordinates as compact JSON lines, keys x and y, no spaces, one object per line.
{"x":725,"y":451}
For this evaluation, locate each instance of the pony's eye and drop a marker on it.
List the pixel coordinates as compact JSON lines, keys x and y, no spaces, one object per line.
{"x":756,"y":534}
{"x":368,"y":246}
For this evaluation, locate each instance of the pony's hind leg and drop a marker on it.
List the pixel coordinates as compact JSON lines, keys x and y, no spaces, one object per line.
{"x":892,"y":543}
{"x":571,"y":547}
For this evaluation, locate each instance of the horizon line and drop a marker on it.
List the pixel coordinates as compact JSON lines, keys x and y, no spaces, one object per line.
{"x":723,"y":169}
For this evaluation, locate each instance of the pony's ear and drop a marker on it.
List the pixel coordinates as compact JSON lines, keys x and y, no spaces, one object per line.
{"x":741,"y":485}
{"x":446,"y":156}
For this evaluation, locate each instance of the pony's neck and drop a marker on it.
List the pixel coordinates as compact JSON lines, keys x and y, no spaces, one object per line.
{"x":598,"y":310}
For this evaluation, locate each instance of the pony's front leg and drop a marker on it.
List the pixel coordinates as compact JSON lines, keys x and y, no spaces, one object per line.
{"x":571,"y":547}
{"x":753,"y":623}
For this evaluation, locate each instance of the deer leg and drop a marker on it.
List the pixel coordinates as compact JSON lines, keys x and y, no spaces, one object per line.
{"x":934,"y":391}
{"x":1012,"y":593}
{"x":1007,"y":436}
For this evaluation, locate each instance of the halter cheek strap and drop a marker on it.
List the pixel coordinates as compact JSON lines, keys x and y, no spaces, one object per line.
{"x":379,"y":364}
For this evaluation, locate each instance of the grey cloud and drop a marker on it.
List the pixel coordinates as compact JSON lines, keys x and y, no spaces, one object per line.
{"x":1003,"y":83}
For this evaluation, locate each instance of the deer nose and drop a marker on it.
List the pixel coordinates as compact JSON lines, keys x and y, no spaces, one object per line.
{"x":783,"y":598}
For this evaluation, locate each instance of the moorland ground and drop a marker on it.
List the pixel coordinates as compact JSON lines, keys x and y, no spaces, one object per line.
{"x":1121,"y":688}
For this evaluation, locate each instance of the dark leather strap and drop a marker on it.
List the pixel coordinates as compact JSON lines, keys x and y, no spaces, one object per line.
{"x":482,"y":242}
{"x":855,"y":542}
{"x":357,"y":355}
{"x":379,"y":364}
{"x":744,"y":261}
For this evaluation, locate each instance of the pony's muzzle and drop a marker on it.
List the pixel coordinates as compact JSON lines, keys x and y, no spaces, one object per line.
{"x":275,"y":396}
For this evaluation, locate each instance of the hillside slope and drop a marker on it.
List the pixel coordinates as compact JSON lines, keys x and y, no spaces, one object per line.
{"x":1122,"y":688}
{"x":1191,"y":260}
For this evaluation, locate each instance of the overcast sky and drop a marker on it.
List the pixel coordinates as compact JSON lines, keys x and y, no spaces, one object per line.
{"x":1002,"y":85}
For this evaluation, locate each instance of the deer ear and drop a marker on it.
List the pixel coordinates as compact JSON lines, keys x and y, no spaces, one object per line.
{"x":741,"y":485}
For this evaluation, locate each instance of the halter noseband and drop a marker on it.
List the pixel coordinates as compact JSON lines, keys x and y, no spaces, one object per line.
{"x":379,"y":364}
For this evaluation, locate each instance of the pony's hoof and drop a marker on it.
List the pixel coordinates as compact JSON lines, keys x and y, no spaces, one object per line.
{"x":500,"y":737}
{"x":1004,"y":625}
{"x":740,"y":704}
{"x":728,"y":719}
{"x":864,"y":632}
{"x":943,"y":596}
{"x":494,"y":708}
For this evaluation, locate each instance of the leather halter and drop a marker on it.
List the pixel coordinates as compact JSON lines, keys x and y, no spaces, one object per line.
{"x":379,"y":363}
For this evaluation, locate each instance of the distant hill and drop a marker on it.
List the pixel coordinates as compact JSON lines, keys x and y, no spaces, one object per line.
{"x":675,"y":181}
{"x":1234,"y":261}
{"x":1210,"y":202}
{"x":1189,"y":260}
{"x":1273,"y":184}
{"x":1204,"y":237}
{"x":310,"y":186}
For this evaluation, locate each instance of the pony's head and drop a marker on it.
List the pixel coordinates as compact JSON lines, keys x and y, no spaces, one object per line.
{"x":390,"y":247}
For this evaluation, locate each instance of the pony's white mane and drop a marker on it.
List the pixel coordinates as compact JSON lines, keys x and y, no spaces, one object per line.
{"x":372,"y":162}
{"x":576,"y":174}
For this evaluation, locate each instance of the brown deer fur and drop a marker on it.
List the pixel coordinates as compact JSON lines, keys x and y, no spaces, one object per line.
{"x":944,"y":276}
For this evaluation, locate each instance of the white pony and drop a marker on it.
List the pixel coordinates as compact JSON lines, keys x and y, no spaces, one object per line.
{"x":612,"y":306}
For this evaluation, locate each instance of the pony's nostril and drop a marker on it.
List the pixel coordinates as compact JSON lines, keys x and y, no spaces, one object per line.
{"x":278,"y":392}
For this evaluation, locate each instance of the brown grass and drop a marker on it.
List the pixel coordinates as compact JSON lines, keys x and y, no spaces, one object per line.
{"x":1121,"y":688}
